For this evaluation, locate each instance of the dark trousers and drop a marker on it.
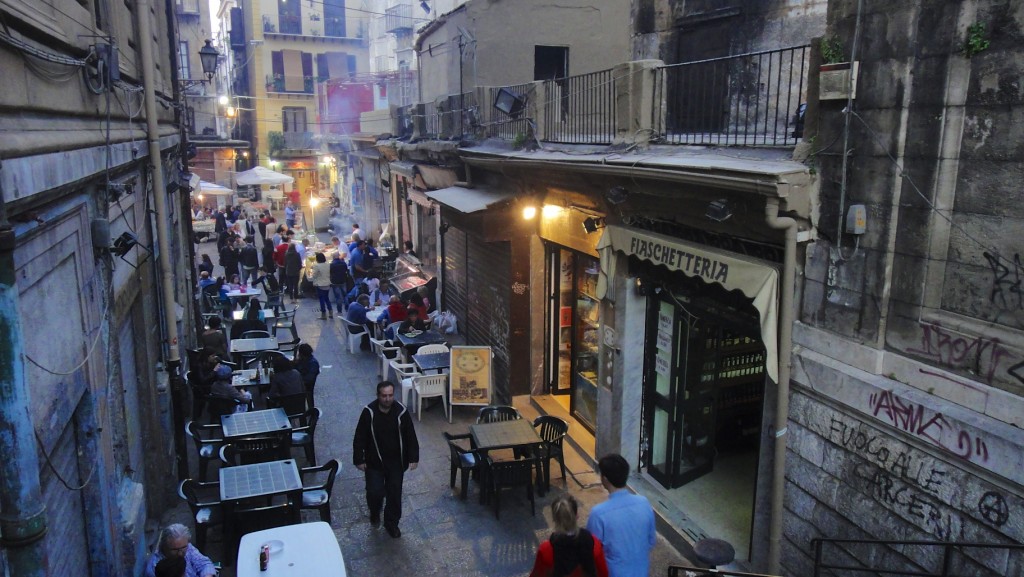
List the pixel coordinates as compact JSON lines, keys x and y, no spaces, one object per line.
{"x":292,"y":286}
{"x":385,"y":486}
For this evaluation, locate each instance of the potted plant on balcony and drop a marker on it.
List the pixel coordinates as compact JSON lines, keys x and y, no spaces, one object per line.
{"x":837,"y":78}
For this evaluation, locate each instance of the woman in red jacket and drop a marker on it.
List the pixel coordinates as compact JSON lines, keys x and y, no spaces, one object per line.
{"x":571,"y":551}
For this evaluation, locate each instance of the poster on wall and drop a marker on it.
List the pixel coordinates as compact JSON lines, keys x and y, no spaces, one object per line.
{"x":470,"y":376}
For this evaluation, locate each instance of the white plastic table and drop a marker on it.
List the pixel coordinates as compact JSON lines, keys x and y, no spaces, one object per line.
{"x":306,"y":549}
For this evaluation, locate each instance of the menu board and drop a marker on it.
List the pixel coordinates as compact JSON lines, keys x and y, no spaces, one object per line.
{"x":470,"y":376}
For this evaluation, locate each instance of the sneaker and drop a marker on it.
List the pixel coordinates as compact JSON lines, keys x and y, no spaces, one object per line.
{"x":375,"y":520}
{"x":395,"y":532}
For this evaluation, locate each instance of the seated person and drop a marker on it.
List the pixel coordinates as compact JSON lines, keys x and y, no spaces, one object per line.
{"x":412,"y":322}
{"x":222,"y":387}
{"x":395,"y":312}
{"x":251,"y":322}
{"x":380,"y":295}
{"x":254,"y":303}
{"x":174,"y":541}
{"x":420,"y":302}
{"x":306,"y":364}
{"x":203,"y":375}
{"x":357,"y":315}
{"x":205,"y":280}
{"x":286,"y":380}
{"x":213,"y":338}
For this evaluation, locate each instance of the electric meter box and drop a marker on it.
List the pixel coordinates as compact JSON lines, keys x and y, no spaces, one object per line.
{"x":856,"y":219}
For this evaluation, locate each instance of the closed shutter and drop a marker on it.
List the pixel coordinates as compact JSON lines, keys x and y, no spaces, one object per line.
{"x":65,"y":517}
{"x":490,"y":273}
{"x":455,"y":276}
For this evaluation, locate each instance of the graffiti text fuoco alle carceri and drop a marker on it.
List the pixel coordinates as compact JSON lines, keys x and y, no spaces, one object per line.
{"x":927,"y":425}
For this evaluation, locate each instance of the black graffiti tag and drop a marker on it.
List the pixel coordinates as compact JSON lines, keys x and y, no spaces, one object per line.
{"x":1006,"y":283}
{"x":994,"y":509}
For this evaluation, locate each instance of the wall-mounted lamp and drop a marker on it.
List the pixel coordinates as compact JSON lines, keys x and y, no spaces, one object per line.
{"x":529,"y":212}
{"x":591,"y":224}
{"x":327,"y":159}
{"x":245,"y":153}
{"x":510,"y":103}
{"x":443,"y":228}
{"x":719,"y":210}
{"x":616,"y":195}
{"x":645,"y":287}
{"x":551,"y":210}
{"x":125,"y":243}
{"x":223,"y":100}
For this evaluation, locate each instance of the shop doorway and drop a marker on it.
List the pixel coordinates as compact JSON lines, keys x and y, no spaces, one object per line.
{"x":572,"y":335}
{"x":704,"y":380}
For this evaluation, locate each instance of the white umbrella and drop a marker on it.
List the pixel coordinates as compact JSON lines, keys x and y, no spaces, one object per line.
{"x":260,"y":175}
{"x":214,"y":189}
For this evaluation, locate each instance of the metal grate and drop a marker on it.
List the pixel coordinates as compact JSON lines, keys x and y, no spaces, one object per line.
{"x":255,"y":423}
{"x":246,"y":481}
{"x":745,"y":100}
{"x":580,"y":109}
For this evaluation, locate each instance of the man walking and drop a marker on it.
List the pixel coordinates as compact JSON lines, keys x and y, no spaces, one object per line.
{"x":384,"y":447}
{"x":249,"y":258}
{"x":624,"y":523}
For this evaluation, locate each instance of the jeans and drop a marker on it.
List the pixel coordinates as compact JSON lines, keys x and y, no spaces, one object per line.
{"x":323,"y":293}
{"x":339,"y":296}
{"x":247,"y":273}
{"x":385,"y":486}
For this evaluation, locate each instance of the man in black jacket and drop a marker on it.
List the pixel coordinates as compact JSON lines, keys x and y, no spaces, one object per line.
{"x":249,"y":258}
{"x":384,"y":447}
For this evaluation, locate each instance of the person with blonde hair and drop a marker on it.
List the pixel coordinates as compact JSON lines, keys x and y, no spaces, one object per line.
{"x":570,"y":551}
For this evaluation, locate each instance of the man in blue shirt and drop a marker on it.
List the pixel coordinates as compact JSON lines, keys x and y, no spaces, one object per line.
{"x":357,"y":315}
{"x":289,"y":216}
{"x":624,"y":523}
{"x":355,"y":260}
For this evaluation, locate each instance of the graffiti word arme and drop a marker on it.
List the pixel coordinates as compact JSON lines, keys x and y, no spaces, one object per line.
{"x":669,"y":255}
{"x":959,"y":352}
{"x":927,"y":425}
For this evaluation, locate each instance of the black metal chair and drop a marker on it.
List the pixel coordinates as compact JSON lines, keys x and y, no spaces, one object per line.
{"x":208,"y":440}
{"x":462,"y":459}
{"x":274,"y":301}
{"x":292,"y":404}
{"x":497,"y":413}
{"x":510,"y":474}
{"x":317,"y":483}
{"x":199,"y":394}
{"x":256,"y":335}
{"x":251,"y":518}
{"x":250,"y":450}
{"x":553,"y":431}
{"x":304,"y":432}
{"x":286,"y":320}
{"x":219,"y":406}
{"x":204,"y":501}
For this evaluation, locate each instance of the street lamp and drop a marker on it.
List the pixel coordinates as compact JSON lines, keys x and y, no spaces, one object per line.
{"x":208,"y":56}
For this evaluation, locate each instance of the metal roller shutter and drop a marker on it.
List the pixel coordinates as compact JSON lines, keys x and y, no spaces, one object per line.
{"x":490,"y":270}
{"x":455,"y":283}
{"x":66,"y":535}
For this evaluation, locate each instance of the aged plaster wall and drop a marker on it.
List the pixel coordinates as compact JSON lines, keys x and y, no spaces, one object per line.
{"x":505,"y":32}
{"x":686,"y":30}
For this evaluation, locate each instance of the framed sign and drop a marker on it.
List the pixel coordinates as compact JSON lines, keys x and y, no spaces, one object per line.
{"x":470,"y":376}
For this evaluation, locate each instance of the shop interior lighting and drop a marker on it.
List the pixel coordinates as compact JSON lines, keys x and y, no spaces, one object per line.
{"x":529,"y":212}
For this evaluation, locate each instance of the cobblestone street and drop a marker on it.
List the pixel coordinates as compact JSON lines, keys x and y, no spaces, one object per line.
{"x":441,"y":534}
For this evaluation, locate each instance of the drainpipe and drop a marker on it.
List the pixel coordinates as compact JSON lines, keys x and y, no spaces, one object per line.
{"x":773,"y":220}
{"x":173,"y":360}
{"x":23,"y":517}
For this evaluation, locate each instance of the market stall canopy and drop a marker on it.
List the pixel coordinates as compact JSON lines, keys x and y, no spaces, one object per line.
{"x":260,"y":175}
{"x":213,"y":189}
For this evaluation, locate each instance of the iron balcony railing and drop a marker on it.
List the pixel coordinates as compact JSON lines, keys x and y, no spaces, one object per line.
{"x":298,"y":141}
{"x":860,"y":557}
{"x":677,"y":571}
{"x":398,"y":18}
{"x":745,"y":100}
{"x":500,"y":125}
{"x":431,"y":125}
{"x":580,"y":109}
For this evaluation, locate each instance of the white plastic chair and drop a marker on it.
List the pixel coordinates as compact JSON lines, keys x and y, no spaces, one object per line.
{"x":354,"y":339}
{"x":381,"y":349}
{"x":432,"y":349}
{"x":405,"y":372}
{"x":426,"y":386}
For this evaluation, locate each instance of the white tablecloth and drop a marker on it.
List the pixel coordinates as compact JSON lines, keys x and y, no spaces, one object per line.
{"x":308,"y":549}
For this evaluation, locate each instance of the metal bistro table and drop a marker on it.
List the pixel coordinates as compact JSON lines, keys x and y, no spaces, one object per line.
{"x":240,"y":347}
{"x":300,"y":550}
{"x":518,"y":433}
{"x":253,"y":423}
{"x":412,"y":344}
{"x":257,"y":480}
{"x":433,"y":362}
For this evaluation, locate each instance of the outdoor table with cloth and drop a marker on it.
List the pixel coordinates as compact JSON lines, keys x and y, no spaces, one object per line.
{"x":299,"y":550}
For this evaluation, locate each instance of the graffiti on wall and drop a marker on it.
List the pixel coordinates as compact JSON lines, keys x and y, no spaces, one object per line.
{"x":979,"y":355}
{"x":1006,"y":282}
{"x":927,"y":425}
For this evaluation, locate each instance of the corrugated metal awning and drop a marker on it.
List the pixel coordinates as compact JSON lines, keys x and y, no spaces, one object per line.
{"x":468,"y":200}
{"x":406,"y":169}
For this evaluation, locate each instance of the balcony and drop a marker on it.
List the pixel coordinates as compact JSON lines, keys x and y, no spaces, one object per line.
{"x":299,"y":141}
{"x":745,"y":100}
{"x":187,"y":7}
{"x":277,"y":84}
{"x":398,"y":19}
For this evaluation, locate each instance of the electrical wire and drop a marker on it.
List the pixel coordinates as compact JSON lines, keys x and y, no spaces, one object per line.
{"x":46,"y":457}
